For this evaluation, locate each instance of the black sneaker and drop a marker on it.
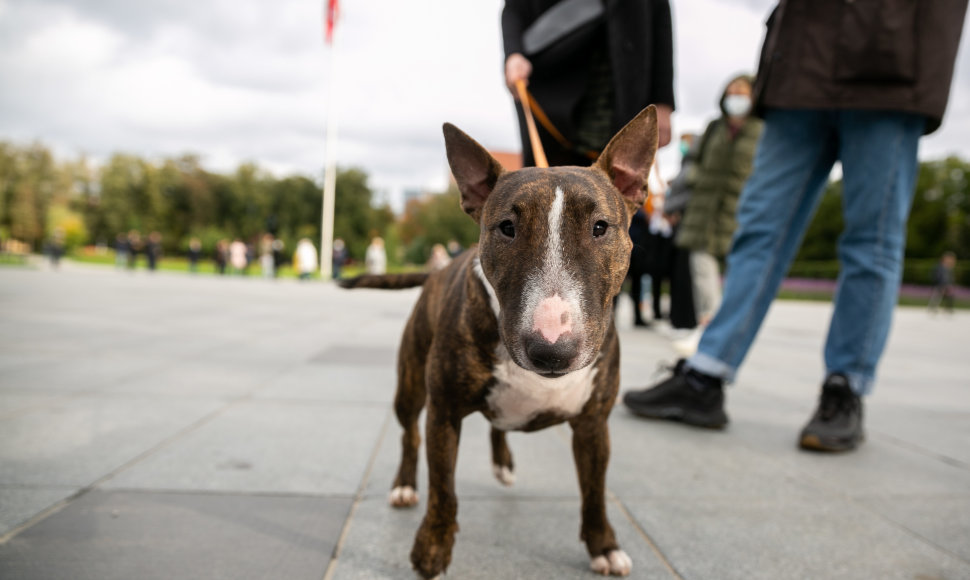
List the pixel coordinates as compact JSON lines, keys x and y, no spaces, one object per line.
{"x":837,"y":423}
{"x":687,"y":396}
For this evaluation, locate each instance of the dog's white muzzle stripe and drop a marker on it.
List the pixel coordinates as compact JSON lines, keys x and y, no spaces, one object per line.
{"x":553,"y":298}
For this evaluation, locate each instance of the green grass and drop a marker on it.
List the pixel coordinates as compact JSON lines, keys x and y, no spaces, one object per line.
{"x":827,"y":297}
{"x":14,"y":260}
{"x":180,"y":264}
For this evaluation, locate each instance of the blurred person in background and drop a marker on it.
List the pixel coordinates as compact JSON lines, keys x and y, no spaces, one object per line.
{"x":943,"y":280}
{"x":121,"y":251}
{"x":194,"y":254}
{"x":340,"y":257}
{"x":251,"y":254}
{"x":238,"y":259}
{"x":279,"y":256}
{"x":639,"y":260}
{"x":375,"y":260}
{"x":659,"y":240}
{"x":439,"y":258}
{"x":134,"y":246}
{"x":153,"y":250}
{"x":723,"y":163}
{"x":682,"y":316}
{"x":266,"y":263}
{"x":55,"y":247}
{"x":305,"y":258}
{"x":221,"y":256}
{"x":454,"y":248}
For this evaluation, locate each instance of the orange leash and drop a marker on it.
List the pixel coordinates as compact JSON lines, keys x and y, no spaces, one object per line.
{"x":533,"y":112}
{"x":526,"y":99}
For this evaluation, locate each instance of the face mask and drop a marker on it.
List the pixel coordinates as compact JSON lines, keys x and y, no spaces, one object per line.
{"x":684,"y":147}
{"x":737,"y":105}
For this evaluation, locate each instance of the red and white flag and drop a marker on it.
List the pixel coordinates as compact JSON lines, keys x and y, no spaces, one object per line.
{"x":330,"y":19}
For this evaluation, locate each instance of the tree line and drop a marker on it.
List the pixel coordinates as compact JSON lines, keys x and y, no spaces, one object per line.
{"x":939,"y":222}
{"x":177,"y":197}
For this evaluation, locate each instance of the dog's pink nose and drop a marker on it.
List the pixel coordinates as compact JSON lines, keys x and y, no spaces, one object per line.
{"x":552,"y":318}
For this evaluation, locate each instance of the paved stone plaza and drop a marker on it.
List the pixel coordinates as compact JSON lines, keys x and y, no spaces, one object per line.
{"x":169,"y":426}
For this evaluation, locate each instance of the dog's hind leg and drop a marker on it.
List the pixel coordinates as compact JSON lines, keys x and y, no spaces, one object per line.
{"x":408,"y":404}
{"x":502,"y":458}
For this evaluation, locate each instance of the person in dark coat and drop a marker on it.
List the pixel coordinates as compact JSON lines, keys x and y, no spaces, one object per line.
{"x":682,"y":315}
{"x":153,"y":250}
{"x":943,"y":282}
{"x":639,"y":258}
{"x":195,"y":254}
{"x":593,"y":81}
{"x":855,"y":82}
{"x":134,"y":246}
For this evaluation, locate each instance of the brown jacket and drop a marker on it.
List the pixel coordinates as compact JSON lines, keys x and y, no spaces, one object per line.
{"x":891,"y":55}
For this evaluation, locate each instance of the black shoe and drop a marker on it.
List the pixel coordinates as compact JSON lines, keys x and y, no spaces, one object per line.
{"x":837,"y":423}
{"x":687,"y":396}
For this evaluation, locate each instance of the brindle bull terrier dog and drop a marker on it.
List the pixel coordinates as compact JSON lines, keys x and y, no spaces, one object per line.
{"x":521,"y":329}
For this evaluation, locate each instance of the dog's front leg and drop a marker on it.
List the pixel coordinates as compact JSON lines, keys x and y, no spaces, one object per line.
{"x":591,"y":451}
{"x":431,"y":553}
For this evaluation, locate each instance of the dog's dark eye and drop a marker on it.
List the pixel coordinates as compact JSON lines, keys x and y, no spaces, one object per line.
{"x":599,"y":228}
{"x":507,"y":228}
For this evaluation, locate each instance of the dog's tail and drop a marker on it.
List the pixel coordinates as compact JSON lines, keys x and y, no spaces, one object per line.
{"x":385,"y":281}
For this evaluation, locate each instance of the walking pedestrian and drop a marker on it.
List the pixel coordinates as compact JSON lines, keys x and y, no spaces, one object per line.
{"x":838,"y":81}
{"x":943,"y":280}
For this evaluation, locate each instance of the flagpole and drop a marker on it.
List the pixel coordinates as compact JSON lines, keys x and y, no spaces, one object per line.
{"x":330,"y":168}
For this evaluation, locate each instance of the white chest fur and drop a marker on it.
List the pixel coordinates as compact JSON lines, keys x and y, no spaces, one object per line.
{"x":520,"y":395}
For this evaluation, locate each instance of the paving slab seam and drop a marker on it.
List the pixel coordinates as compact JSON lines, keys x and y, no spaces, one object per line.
{"x":826,"y":488}
{"x":910,"y":446}
{"x":230,"y":492}
{"x":322,"y":402}
{"x":358,"y":497}
{"x":43,"y":515}
{"x":913,"y":533}
{"x":127,"y":465}
{"x":615,"y":500}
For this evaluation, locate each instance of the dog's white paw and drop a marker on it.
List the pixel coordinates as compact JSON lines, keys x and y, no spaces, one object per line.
{"x":616,"y":562}
{"x":404,"y":496}
{"x":503,"y":474}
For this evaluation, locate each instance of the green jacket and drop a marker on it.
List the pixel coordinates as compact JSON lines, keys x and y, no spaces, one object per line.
{"x":715,"y":184}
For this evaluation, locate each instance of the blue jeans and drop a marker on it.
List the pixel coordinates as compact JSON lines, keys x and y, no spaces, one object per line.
{"x":797,"y":151}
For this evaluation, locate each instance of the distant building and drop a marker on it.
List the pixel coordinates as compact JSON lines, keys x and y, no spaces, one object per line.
{"x":413,"y":193}
{"x":509,"y":160}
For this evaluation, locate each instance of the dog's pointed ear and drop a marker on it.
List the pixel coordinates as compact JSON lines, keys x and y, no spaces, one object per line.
{"x":475,"y":170}
{"x":629,"y":155}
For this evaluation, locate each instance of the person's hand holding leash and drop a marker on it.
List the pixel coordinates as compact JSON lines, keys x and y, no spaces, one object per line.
{"x":518,"y":67}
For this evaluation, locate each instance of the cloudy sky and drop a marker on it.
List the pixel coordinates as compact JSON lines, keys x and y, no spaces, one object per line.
{"x":247,"y":80}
